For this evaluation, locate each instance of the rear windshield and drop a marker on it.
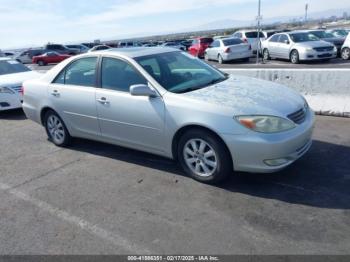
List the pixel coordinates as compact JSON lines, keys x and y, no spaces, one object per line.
{"x":232,"y":41}
{"x":206,"y":40}
{"x":251,"y":34}
{"x":12,"y":67}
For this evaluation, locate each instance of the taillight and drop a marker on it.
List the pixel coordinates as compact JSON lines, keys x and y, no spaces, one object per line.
{"x":227,"y":50}
{"x":22,"y":90}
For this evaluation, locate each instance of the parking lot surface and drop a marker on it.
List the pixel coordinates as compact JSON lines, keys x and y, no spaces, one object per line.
{"x":94,"y":198}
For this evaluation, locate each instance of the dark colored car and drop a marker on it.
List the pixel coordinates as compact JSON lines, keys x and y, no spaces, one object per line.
{"x":330,"y":38}
{"x":199,"y":45}
{"x":49,"y":58}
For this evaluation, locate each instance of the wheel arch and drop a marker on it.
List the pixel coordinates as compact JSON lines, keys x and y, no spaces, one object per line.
{"x":43,"y":112}
{"x":180,"y":132}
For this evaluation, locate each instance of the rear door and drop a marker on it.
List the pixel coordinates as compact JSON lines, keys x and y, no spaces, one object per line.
{"x":272,"y":45}
{"x":72,"y":94}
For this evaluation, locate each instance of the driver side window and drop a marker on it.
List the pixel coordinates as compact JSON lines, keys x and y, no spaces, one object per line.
{"x":119,"y":75}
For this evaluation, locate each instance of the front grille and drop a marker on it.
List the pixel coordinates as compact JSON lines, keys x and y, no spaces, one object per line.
{"x":324,"y":55}
{"x":323,"y":49}
{"x":298,"y":117}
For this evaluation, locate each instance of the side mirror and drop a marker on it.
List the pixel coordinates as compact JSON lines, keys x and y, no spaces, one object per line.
{"x":286,"y":42}
{"x":142,"y":90}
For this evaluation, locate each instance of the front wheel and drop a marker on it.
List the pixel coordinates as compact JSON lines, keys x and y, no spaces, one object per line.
{"x":56,"y":129}
{"x":204,"y":157}
{"x":345,"y":53}
{"x":41,"y":63}
{"x":294,"y":57}
{"x":266,"y":55}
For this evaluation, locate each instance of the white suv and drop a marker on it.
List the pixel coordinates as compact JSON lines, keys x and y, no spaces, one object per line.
{"x":345,"y":50}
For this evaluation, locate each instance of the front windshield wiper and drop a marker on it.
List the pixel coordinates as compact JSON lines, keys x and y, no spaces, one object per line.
{"x":212,"y":82}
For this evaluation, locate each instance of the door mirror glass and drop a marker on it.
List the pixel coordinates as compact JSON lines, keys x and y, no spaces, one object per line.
{"x":142,"y":90}
{"x":286,"y":42}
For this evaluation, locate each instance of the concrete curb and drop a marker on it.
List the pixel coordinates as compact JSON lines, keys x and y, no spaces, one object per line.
{"x":326,"y":90}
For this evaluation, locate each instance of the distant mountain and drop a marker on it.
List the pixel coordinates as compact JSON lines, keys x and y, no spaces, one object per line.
{"x":230,"y":23}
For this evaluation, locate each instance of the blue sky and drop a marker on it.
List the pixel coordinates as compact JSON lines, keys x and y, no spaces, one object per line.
{"x":35,"y":22}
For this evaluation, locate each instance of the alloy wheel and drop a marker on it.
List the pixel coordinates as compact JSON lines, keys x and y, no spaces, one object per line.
{"x":56,"y":129}
{"x":200,"y":157}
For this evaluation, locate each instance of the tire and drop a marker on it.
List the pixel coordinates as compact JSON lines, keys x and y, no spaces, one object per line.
{"x":345,"y":53}
{"x":294,"y":57}
{"x":266,"y":54}
{"x":206,"y":57}
{"x":211,"y":169}
{"x":56,"y":129}
{"x":220,"y":60}
{"x":246,"y":60}
{"x":41,"y":63}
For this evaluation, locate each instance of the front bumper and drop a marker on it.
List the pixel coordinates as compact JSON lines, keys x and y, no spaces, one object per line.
{"x":10,"y":101}
{"x":314,"y":55}
{"x":253,"y":151}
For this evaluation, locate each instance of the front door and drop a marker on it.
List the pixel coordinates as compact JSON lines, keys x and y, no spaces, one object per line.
{"x":128,"y":120}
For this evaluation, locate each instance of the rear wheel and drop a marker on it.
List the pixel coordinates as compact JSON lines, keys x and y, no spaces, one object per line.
{"x":204,"y":157}
{"x":41,"y":63}
{"x":56,"y":129}
{"x":220,"y":59}
{"x":345,"y":53}
{"x":294,"y":57}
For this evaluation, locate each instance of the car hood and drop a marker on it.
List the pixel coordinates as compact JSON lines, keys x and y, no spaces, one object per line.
{"x":313,"y":44}
{"x":18,"y":78}
{"x":250,"y":96}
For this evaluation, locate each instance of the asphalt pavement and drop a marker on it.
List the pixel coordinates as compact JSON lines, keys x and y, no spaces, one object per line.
{"x":93,"y":198}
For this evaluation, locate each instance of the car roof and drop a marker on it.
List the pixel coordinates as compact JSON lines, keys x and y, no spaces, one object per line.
{"x":134,"y":52}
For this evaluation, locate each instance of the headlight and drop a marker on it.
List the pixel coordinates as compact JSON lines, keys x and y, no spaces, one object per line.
{"x":5,"y":90}
{"x":266,"y":124}
{"x":309,"y":49}
{"x":335,"y":49}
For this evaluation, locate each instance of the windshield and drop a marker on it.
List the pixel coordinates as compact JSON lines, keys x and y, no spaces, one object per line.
{"x":232,"y":41}
{"x":12,"y":67}
{"x":179,"y":72}
{"x":340,"y":33}
{"x":322,"y":34}
{"x":303,"y":37}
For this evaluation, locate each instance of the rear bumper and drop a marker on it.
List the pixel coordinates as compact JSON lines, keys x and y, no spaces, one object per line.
{"x":239,"y":55}
{"x":267,"y":153}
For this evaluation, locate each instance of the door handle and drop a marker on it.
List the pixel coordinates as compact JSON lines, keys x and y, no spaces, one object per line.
{"x":103,"y":100}
{"x":55,"y":93}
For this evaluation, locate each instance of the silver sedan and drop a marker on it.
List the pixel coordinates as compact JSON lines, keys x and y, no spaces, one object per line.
{"x":166,"y":102}
{"x":228,"y":49}
{"x":297,"y":46}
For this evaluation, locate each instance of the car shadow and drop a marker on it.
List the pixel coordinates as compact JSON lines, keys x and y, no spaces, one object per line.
{"x":320,"y":179}
{"x":15,"y":114}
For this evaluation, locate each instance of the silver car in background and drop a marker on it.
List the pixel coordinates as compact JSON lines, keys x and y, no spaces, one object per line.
{"x":166,"y":102}
{"x":228,"y":49}
{"x":298,"y":46}
{"x":250,"y":37}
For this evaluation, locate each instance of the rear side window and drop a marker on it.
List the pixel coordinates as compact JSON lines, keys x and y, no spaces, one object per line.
{"x":228,"y":42}
{"x":251,"y":34}
{"x":81,"y":72}
{"x":274,"y":39}
{"x":119,"y":75}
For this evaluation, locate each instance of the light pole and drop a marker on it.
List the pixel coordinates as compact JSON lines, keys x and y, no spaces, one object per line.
{"x":259,"y":31}
{"x":306,"y":10}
